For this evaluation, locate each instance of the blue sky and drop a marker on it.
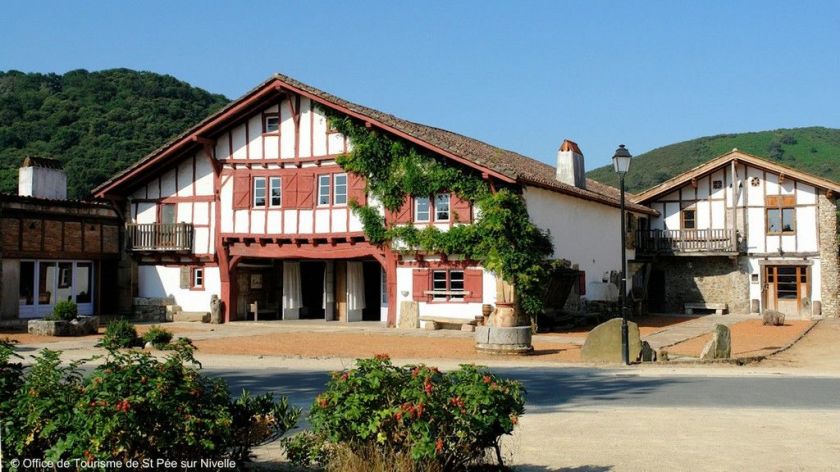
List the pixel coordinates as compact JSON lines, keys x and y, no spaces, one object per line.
{"x":521,"y":75}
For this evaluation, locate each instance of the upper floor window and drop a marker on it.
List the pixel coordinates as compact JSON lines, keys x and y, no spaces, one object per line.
{"x":197,"y":278}
{"x":167,"y":213}
{"x":276,"y":189}
{"x":259,"y":192}
{"x":442,"y":207}
{"x":422,"y":209}
{"x":340,"y":189}
{"x":689,"y":219}
{"x":271,"y":124}
{"x":323,"y":190}
{"x":780,"y":220}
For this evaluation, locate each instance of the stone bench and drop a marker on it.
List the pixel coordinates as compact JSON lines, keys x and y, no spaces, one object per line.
{"x":193,"y":316}
{"x":438,"y":322}
{"x":718,"y":308}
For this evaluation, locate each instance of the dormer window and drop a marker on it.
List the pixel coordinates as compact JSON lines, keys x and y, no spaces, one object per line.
{"x":271,"y":124}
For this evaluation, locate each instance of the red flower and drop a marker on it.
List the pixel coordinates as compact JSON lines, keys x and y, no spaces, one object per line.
{"x":438,"y":445}
{"x":123,"y":405}
{"x":487,"y":379}
{"x":427,"y":386}
{"x":345,"y":376}
{"x":398,"y":415}
{"x":418,"y":410}
{"x":382,"y":357}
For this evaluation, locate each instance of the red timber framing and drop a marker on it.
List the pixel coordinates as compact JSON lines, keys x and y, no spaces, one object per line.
{"x":229,"y":248}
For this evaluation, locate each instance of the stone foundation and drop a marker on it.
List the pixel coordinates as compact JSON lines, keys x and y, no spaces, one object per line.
{"x":705,"y":280}
{"x":154,"y":309}
{"x":829,"y":264}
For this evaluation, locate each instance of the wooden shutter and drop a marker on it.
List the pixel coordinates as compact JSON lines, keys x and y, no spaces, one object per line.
{"x":305,"y":189}
{"x":420,"y":283}
{"x":461,"y":209}
{"x":185,"y":277}
{"x":403,"y":215}
{"x":474,"y":284}
{"x":581,"y":283}
{"x":241,"y":191}
{"x":357,"y":188}
{"x":290,"y":183}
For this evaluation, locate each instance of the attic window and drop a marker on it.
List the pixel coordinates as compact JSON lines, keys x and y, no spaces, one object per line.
{"x":271,"y":124}
{"x":717,"y":184}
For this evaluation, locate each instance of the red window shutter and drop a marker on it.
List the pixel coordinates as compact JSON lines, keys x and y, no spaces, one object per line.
{"x":305,"y":189}
{"x":581,"y":283}
{"x":403,"y":215}
{"x":420,"y":283}
{"x":241,"y":191}
{"x":474,"y":284}
{"x":357,"y":188}
{"x":462,"y":209}
{"x":290,"y":183}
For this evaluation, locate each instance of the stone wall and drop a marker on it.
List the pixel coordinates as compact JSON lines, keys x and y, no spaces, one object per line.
{"x":705,"y":280}
{"x":830,"y":266}
{"x":154,"y":309}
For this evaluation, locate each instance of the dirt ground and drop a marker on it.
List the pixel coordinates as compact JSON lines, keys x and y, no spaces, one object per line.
{"x":648,"y":325}
{"x":816,"y":353}
{"x":749,"y":338}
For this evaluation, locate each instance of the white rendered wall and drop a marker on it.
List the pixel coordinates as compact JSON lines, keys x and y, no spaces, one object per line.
{"x":41,"y":182}
{"x":465,"y":311}
{"x":163,"y":281}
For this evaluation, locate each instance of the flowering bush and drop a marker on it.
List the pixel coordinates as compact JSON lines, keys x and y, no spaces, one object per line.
{"x":451,"y":418}
{"x":120,"y":333}
{"x":134,"y":407}
{"x":158,"y":336}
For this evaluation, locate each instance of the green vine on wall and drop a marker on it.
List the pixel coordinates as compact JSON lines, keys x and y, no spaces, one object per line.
{"x":503,"y":238}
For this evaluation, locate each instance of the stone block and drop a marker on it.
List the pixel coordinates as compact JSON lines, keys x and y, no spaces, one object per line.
{"x":720,"y":346}
{"x":482,"y":334}
{"x":193,"y":316}
{"x":468,"y":327}
{"x":603,"y":344}
{"x":81,"y":326}
{"x":409,"y":314}
{"x":511,"y":335}
{"x":647,"y":354}
{"x":773,"y":318}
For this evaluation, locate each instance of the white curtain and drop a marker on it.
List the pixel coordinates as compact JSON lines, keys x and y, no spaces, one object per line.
{"x":292,"y":298}
{"x":355,"y":286}
{"x":328,"y":300}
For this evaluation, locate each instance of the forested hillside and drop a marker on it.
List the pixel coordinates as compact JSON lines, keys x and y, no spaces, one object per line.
{"x":814,"y":150}
{"x":96,"y":123}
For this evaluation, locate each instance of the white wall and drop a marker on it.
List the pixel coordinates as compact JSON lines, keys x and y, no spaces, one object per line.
{"x":42,"y":182}
{"x":465,"y":311}
{"x":163,"y":281}
{"x":586,"y":233}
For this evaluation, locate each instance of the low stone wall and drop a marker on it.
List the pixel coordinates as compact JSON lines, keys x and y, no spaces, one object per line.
{"x":705,"y":280}
{"x":154,"y":309}
{"x":81,"y":326}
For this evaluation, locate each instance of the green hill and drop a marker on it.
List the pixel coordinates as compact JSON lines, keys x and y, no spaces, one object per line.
{"x":96,"y":123}
{"x":814,"y":150}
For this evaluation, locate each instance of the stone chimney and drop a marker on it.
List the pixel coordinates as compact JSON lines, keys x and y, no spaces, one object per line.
{"x":570,"y":168}
{"x":41,"y":177}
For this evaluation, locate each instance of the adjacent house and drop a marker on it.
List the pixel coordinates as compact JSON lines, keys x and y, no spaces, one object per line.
{"x":251,"y":205}
{"x":55,"y":249}
{"x":746,"y":232}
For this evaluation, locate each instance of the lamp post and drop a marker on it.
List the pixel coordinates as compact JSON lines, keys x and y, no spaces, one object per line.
{"x":621,"y":164}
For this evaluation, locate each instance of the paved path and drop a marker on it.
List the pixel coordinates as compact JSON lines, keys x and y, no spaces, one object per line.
{"x":692,"y":328}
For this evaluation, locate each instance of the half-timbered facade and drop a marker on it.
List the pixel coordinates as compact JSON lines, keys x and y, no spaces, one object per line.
{"x":744,"y":231}
{"x":251,"y":205}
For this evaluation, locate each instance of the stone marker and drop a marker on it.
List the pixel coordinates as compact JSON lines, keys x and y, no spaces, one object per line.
{"x":647,"y":354}
{"x":409,"y":314}
{"x":215,"y":309}
{"x":773,"y":318}
{"x":720,"y":346}
{"x":603,"y":344}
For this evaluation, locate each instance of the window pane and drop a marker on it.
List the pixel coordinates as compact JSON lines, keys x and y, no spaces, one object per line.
{"x":27,"y":282}
{"x":46,"y":283}
{"x":442,"y":207}
{"x":439,"y":284}
{"x":323,"y":190}
{"x":276,"y":191}
{"x":167,"y":213}
{"x":83,"y":282}
{"x":774,"y":221}
{"x":688,"y":219}
{"x":272,"y":124}
{"x":456,"y":282}
{"x":421,"y":208}
{"x":787,"y":220}
{"x":64,"y":290}
{"x":259,"y":191}
{"x":198,"y":278}
{"x":340,"y":181}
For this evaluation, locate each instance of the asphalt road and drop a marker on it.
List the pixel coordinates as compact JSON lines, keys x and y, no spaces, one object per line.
{"x":558,"y":389}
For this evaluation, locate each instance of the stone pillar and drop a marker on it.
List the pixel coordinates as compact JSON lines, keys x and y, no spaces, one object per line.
{"x":830,"y":266}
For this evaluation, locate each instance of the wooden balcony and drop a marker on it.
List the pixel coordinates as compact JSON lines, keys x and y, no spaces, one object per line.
{"x":696,"y":242}
{"x":160,"y":237}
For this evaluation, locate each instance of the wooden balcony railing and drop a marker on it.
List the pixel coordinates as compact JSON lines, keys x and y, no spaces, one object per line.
{"x":160,"y":237}
{"x":687,"y":241}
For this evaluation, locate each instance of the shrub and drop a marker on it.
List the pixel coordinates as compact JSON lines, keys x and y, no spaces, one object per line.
{"x":158,"y":336}
{"x":11,"y":373}
{"x":120,"y":333}
{"x":135,"y":407}
{"x":307,"y":449}
{"x":451,"y":419}
{"x":64,"y":310}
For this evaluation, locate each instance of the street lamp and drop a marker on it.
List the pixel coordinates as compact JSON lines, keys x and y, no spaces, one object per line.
{"x":621,"y":164}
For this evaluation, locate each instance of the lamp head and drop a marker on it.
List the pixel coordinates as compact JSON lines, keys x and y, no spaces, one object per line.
{"x":621,"y":160}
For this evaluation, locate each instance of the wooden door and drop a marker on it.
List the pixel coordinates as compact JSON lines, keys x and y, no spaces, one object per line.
{"x":341,"y":290}
{"x":785,"y":287}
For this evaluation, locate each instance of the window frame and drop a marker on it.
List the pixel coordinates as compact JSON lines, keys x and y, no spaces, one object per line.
{"x":335,"y":186}
{"x":254,"y":192}
{"x":428,"y":209}
{"x":448,"y":297}
{"x":781,"y":217}
{"x":448,"y":207}
{"x":328,"y":188}
{"x":693,"y":219}
{"x":270,"y":192}
{"x":268,"y":116}
{"x":197,"y":278}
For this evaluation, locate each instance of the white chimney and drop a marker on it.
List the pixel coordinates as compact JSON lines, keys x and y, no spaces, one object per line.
{"x":41,"y":177}
{"x":570,"y":168}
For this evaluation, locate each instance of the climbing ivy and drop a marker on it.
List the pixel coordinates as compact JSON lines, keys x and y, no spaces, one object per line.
{"x":502,"y":238}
